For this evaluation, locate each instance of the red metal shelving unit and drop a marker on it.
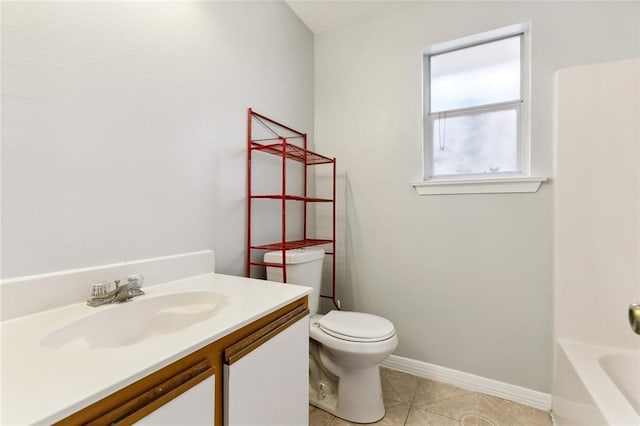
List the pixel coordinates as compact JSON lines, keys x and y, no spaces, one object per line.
{"x":278,"y":143}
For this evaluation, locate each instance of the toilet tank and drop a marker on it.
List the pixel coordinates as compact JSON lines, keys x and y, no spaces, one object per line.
{"x":304,"y":267}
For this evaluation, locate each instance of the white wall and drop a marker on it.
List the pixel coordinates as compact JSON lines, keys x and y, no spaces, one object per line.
{"x":124,"y":125}
{"x":597,"y":206}
{"x":466,"y":279}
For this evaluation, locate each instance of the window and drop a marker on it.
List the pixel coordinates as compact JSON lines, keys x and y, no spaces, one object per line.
{"x":476,"y":106}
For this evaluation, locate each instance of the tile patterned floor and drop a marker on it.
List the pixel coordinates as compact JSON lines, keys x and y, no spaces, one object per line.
{"x":413,"y":401}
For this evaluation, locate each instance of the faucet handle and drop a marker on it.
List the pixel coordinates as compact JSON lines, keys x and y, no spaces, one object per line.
{"x":135,"y":280}
{"x":634,"y":317}
{"x":100,"y":290}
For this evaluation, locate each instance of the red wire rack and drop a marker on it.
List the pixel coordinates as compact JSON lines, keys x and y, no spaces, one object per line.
{"x":278,"y":142}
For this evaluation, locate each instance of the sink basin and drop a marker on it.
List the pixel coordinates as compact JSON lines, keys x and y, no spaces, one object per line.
{"x":132,"y":322}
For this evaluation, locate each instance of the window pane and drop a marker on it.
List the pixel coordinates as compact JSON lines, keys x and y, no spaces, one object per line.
{"x":476,"y":143}
{"x":478,"y":75}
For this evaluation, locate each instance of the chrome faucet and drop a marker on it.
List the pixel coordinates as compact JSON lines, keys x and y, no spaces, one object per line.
{"x":121,"y":293}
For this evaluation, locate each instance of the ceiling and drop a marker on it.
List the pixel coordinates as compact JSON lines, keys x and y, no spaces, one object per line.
{"x":321,"y":15}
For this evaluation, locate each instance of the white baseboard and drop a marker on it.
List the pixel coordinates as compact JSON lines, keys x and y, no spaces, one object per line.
{"x":531,"y":398}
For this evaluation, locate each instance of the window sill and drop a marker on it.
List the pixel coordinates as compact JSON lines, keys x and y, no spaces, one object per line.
{"x":494,"y":185}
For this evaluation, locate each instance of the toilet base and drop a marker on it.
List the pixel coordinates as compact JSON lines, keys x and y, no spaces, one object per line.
{"x":325,"y":402}
{"x":359,"y":397}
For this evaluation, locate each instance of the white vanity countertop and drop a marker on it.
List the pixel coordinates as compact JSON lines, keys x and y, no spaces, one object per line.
{"x":42,"y":385}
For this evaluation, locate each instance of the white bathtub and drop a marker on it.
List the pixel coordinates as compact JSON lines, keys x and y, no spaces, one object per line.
{"x":596,"y":385}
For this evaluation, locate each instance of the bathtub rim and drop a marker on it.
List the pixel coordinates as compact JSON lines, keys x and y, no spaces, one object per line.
{"x":585,"y":359}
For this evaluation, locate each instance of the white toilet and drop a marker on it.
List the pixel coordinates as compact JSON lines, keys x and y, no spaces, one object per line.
{"x":345,"y":347}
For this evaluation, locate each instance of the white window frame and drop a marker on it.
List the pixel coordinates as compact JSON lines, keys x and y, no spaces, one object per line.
{"x":518,"y":181}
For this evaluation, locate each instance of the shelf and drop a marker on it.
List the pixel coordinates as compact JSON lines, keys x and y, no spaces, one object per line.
{"x":271,"y":137}
{"x":293,"y":198}
{"x":288,"y":245}
{"x":292,"y":152}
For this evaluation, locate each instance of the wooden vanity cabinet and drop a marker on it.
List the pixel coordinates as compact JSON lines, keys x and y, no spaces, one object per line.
{"x":183,"y":384}
{"x":193,"y":407}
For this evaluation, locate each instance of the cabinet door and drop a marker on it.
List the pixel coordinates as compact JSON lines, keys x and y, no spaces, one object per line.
{"x":193,"y":407}
{"x":270,"y":385}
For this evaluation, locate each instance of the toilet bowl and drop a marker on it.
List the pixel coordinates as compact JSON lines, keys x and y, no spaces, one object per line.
{"x":350,"y":347}
{"x":345,"y":348}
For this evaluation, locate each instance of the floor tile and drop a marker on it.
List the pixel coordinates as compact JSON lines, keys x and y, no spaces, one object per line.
{"x":491,"y":415}
{"x":318,"y":417}
{"x":414,"y":401}
{"x":430,"y":391}
{"x":457,"y":408}
{"x":395,"y":415}
{"x":340,"y":422}
{"x":470,"y":420}
{"x":398,"y":386}
{"x":418,"y":417}
{"x":524,"y":414}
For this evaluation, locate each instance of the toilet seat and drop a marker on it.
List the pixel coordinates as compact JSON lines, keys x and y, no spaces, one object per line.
{"x":356,"y":326}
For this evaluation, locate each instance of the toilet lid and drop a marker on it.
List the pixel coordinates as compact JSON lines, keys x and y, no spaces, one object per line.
{"x":356,"y":326}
